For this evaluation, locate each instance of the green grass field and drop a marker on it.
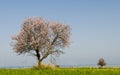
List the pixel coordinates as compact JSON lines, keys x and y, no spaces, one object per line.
{"x":62,"y":71}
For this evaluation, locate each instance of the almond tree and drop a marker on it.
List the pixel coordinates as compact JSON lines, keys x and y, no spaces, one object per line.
{"x":41,"y":38}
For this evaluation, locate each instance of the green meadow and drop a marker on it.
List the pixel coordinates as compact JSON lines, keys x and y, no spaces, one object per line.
{"x":62,"y":71}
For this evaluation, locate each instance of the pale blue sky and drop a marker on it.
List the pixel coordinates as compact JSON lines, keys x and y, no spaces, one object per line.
{"x":95,"y":29}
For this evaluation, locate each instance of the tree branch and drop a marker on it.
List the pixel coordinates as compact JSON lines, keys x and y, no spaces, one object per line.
{"x":54,"y":40}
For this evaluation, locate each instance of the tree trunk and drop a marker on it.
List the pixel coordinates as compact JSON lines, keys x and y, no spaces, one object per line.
{"x":39,"y":63}
{"x":38,"y":58}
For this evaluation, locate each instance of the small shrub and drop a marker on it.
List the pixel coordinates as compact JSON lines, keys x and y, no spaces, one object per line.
{"x":57,"y":66}
{"x":101,"y":63}
{"x":35,"y":67}
{"x":44,"y":66}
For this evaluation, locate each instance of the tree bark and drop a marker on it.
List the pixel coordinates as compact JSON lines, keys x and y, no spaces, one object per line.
{"x":39,"y":63}
{"x":38,"y":58}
